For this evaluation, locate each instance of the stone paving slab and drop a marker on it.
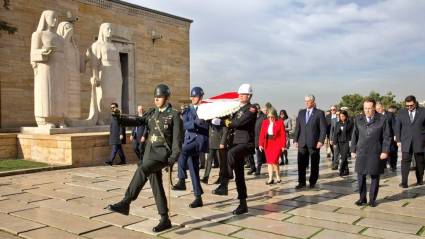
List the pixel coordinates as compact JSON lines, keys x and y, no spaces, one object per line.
{"x":49,"y":233}
{"x":116,"y":232}
{"x":63,"y":221}
{"x":326,"y":224}
{"x":118,"y":220}
{"x":273,"y":226}
{"x":253,"y":234}
{"x":389,"y":225}
{"x":17,"y":225}
{"x":379,"y":233}
{"x":5,"y":235}
{"x":53,"y":194}
{"x":329,"y":216}
{"x":328,"y":234}
{"x":72,"y":208}
{"x":8,"y":206}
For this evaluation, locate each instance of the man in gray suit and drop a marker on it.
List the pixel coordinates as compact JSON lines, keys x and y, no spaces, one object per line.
{"x":309,"y":136}
{"x":410,"y":137}
{"x":370,"y":145}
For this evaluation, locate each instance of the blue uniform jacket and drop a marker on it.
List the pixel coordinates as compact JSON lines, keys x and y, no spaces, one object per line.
{"x":195,"y":130}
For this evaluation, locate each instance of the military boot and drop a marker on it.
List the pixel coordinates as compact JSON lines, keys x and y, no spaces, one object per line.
{"x":120,"y":207}
{"x":197,"y":202}
{"x":242,"y":208}
{"x":164,"y":224}
{"x":180,"y":185}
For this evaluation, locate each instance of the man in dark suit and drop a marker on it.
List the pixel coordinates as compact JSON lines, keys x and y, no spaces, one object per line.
{"x":410,"y":136}
{"x":370,"y":145}
{"x":331,"y":120}
{"x":309,"y":136}
{"x":261,"y":157}
{"x":116,"y":138}
{"x":217,"y":149}
{"x":392,"y":157}
{"x":195,"y":143}
{"x":138,"y":136}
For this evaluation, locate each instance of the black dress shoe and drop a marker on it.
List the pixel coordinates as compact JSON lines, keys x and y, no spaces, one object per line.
{"x":196,"y":203}
{"x":241,"y":209}
{"x":204,"y":180}
{"x":419,"y":183}
{"x":300,"y":186}
{"x":215,"y":166}
{"x":312,"y":185}
{"x":270,"y":182}
{"x":179,"y":186}
{"x":278,"y":181}
{"x":257,"y":173}
{"x":372,"y":204}
{"x":122,"y":163}
{"x":163,"y":225}
{"x":251,"y":171}
{"x":220,"y":190}
{"x":201,"y":167}
{"x":403,"y":185}
{"x":108,"y":163}
{"x":120,"y":207}
{"x":360,"y":202}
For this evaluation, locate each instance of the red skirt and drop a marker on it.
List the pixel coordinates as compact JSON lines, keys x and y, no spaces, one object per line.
{"x":272,"y":151}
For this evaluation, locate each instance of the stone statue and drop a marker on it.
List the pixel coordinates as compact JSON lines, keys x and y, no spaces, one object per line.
{"x":106,"y":77}
{"x":73,"y":69}
{"x":48,"y":62}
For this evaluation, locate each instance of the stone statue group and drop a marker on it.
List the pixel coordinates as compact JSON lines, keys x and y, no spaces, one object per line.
{"x":58,"y":66}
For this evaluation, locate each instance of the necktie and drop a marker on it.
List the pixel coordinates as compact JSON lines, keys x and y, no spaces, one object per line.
{"x":308,"y":115}
{"x":411,"y":116}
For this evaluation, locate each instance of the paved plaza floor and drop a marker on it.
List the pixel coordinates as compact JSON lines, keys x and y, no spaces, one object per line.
{"x":69,"y":204}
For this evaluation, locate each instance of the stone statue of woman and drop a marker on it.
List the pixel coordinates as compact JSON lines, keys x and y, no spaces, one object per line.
{"x":73,"y":69}
{"x":48,"y":62}
{"x":106,"y":75}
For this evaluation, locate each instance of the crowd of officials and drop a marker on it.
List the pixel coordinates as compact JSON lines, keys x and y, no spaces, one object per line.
{"x":255,"y":135}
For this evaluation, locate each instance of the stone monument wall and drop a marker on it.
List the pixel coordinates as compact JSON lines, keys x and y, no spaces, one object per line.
{"x":163,"y":60}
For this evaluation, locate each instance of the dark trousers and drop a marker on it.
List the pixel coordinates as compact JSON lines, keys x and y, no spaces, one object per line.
{"x":213,"y":155}
{"x":406,"y":159}
{"x":139,"y":149}
{"x":393,"y":155}
{"x":202,"y":160}
{"x":304,"y":155}
{"x":149,"y":169}
{"x":190,"y":157}
{"x":251,"y":161}
{"x":235,"y":159}
{"x":374,"y":187}
{"x":117,"y":149}
{"x":341,"y":150}
{"x":261,"y":158}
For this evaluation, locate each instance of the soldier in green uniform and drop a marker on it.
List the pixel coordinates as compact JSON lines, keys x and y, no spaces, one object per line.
{"x":162,"y":149}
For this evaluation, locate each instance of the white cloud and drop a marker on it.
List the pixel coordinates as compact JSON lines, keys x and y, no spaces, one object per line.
{"x":287,"y":49}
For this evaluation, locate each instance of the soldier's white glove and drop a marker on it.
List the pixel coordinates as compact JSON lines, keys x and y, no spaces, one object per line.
{"x":216,"y":121}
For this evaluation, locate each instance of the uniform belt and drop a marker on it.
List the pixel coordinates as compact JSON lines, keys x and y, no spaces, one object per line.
{"x":269,"y":136}
{"x":156,"y":139}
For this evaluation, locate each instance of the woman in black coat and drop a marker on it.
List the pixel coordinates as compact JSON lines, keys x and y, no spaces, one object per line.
{"x":341,"y":139}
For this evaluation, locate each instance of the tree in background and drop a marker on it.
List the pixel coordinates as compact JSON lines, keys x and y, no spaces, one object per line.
{"x":354,"y":102}
{"x":5,"y":26}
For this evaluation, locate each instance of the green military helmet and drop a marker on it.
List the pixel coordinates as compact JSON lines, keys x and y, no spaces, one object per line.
{"x":162,"y":90}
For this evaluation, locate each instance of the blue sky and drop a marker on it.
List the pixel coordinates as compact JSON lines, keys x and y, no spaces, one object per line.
{"x":287,"y":49}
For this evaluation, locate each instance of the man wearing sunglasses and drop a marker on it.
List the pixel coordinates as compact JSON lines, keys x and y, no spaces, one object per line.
{"x":410,"y":137}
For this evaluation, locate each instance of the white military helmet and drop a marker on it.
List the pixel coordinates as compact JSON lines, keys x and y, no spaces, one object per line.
{"x":245,"y":89}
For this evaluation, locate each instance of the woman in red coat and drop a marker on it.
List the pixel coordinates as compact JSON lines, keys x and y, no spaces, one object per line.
{"x":272,"y":141}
